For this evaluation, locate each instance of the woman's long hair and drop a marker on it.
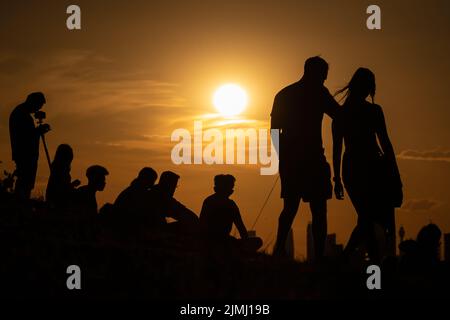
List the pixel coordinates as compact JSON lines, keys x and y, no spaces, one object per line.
{"x":63,"y":157}
{"x":361,"y":84}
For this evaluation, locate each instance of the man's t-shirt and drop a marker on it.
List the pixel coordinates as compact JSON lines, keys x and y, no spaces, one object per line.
{"x":218,"y":215}
{"x":85,"y":200}
{"x":298,"y":111}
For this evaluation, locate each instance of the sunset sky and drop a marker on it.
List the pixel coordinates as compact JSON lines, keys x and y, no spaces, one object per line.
{"x":138,"y":70}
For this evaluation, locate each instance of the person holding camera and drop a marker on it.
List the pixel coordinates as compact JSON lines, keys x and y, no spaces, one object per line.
{"x":25,"y":135}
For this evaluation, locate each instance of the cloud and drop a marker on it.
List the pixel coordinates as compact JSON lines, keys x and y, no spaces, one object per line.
{"x":431,"y":155}
{"x":95,"y":82}
{"x":420,"y":204}
{"x":93,"y":97}
{"x":11,"y":65}
{"x":88,"y":81}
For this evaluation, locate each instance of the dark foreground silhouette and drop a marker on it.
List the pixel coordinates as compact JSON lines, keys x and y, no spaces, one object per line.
{"x":218,"y":215}
{"x":305,"y":174}
{"x":129,"y":249}
{"x":25,"y":137}
{"x":37,"y":245}
{"x":370,"y":172}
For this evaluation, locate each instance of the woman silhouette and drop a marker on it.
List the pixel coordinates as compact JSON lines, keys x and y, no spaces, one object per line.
{"x":369,"y":168}
{"x":60,"y":185}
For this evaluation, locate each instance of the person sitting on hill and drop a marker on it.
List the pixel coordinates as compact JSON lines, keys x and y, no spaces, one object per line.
{"x":60,"y":187}
{"x":132,"y":205}
{"x":85,"y":198}
{"x":422,"y":253}
{"x":219,"y":213}
{"x":164,"y":205}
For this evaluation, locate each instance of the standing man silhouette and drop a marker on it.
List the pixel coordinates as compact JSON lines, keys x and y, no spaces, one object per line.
{"x":25,"y":137}
{"x":305,"y":174}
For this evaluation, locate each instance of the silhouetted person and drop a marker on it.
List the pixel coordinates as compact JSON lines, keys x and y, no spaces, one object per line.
{"x":133,"y":205}
{"x":423,"y":253}
{"x":25,"y":137}
{"x":219,"y":213}
{"x":305,"y":174}
{"x":60,"y":187}
{"x":164,"y":205}
{"x":429,"y":240}
{"x":370,"y":172}
{"x":85,"y":196}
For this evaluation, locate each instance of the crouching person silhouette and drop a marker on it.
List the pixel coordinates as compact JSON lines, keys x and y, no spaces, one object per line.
{"x":132,"y":206}
{"x":218,"y":215}
{"x":60,"y":187}
{"x":164,"y":205}
{"x":134,"y":197}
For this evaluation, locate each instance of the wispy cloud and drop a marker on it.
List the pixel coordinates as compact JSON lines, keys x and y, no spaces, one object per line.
{"x":91,"y":97}
{"x":420,"y":204}
{"x":431,"y":155}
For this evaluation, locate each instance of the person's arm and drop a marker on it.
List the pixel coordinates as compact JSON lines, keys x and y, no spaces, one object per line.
{"x":75,"y":183}
{"x":382,"y":134}
{"x":331,"y":107}
{"x":388,"y":151}
{"x":275,"y":115}
{"x":239,"y":223}
{"x":276,"y":123}
{"x":337,"y":156}
{"x":385,"y":142}
{"x":180,"y":213}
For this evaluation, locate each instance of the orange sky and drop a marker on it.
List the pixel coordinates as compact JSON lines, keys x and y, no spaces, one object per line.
{"x":138,"y":70}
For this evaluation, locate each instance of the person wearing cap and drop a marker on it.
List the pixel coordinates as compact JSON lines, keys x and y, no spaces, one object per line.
{"x":25,"y":137}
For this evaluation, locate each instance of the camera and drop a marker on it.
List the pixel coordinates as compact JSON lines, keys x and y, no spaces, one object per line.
{"x":39,"y":115}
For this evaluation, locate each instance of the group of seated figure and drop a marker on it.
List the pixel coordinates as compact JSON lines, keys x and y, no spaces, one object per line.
{"x":145,"y":206}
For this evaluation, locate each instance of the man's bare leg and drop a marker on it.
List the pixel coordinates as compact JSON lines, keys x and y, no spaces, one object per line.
{"x":319,"y":227}
{"x":285,"y":220}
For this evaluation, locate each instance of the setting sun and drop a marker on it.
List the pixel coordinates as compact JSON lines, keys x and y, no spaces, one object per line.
{"x":230,"y":99}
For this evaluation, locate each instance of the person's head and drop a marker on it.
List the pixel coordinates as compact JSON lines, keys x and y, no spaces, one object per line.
{"x":63,"y":155}
{"x":361,"y":85}
{"x":224,"y":184}
{"x":97,"y":177}
{"x":168,"y":182}
{"x":429,"y":238}
{"x":146,"y":177}
{"x":315,"y":70}
{"x":35,"y":101}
